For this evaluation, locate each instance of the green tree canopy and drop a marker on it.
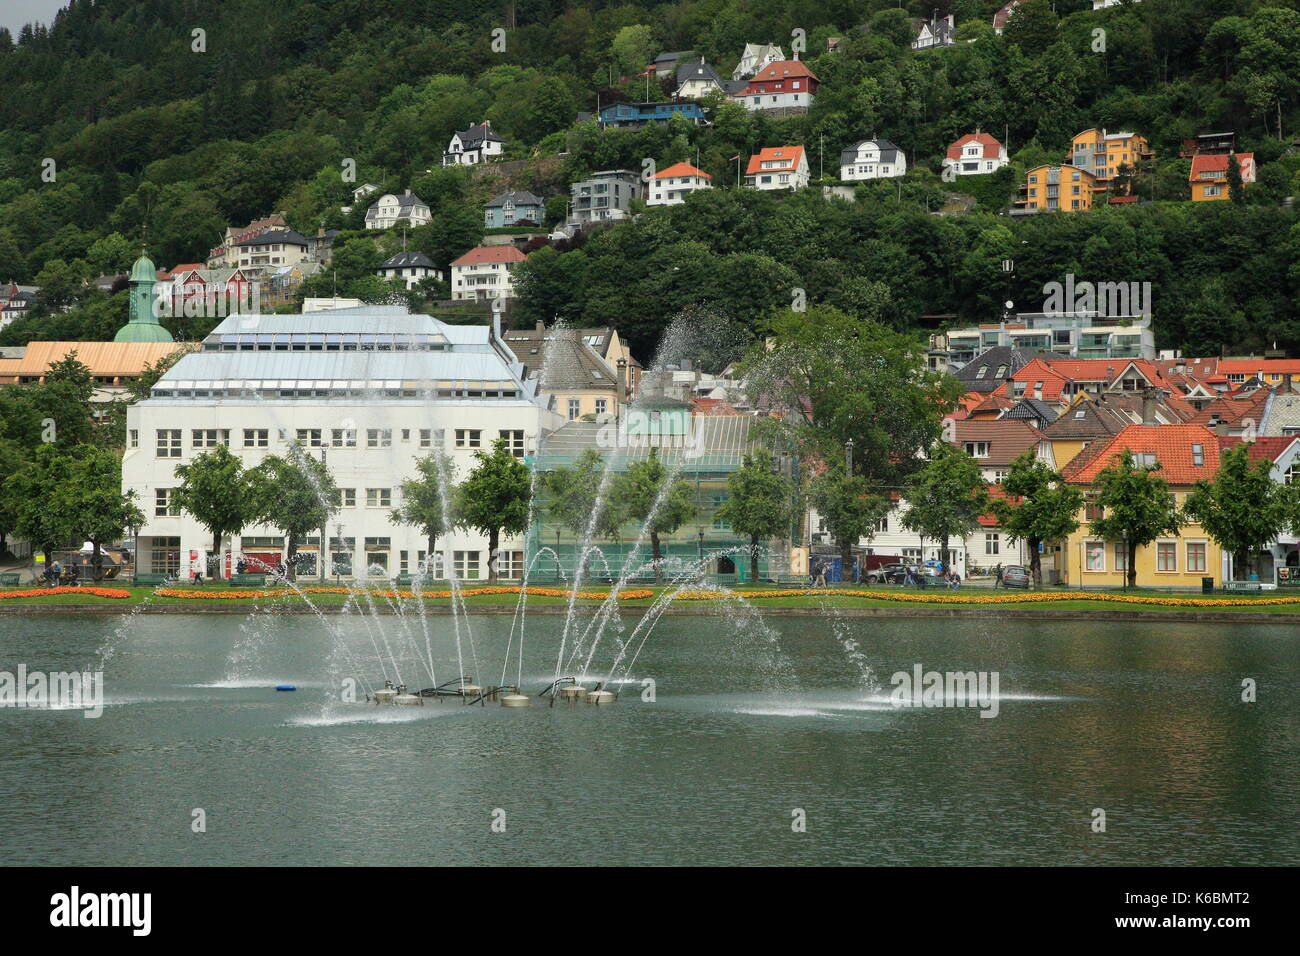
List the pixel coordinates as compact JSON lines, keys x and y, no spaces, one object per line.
{"x":427,"y":503}
{"x":946,"y":498}
{"x":1038,"y":507}
{"x":1242,"y":508}
{"x":759,"y":503}
{"x":1137,"y":507}
{"x":661,"y":504}
{"x":294,"y":494}
{"x":214,"y":489}
{"x":494,"y":498}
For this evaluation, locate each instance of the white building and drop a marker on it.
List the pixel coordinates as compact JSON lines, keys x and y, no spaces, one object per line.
{"x":410,"y":268}
{"x":606,"y":196}
{"x":279,"y":247}
{"x":368,"y":391}
{"x":390,"y":209}
{"x":778,"y":167}
{"x":469,"y":147}
{"x":485,"y":273}
{"x":755,"y":57}
{"x":871,"y":159}
{"x":671,"y":186}
{"x":941,"y":31}
{"x":975,"y":154}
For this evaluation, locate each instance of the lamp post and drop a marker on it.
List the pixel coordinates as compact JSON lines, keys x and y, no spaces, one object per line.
{"x":1008,"y":271}
{"x":848,"y":457}
{"x":135,"y":558}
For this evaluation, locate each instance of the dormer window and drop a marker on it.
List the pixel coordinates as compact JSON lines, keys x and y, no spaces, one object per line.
{"x":977,"y":449}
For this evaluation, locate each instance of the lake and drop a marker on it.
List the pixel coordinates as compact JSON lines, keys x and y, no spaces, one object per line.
{"x":752,"y":728}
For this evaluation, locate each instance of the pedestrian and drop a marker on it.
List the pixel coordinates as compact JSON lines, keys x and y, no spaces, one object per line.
{"x":997,"y":576}
{"x":954,"y":580}
{"x":910,"y":579}
{"x":820,"y":580}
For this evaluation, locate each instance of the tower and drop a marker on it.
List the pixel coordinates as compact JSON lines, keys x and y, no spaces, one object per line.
{"x":142,"y":324}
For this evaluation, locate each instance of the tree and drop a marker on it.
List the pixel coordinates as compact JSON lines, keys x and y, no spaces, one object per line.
{"x":96,"y":508}
{"x":12,"y":461}
{"x":760,"y":503}
{"x":1242,"y":508}
{"x":425,"y":502}
{"x":1038,"y":507}
{"x":1236,"y":190}
{"x":574,"y":499}
{"x":494,"y":498}
{"x":41,"y":517}
{"x":214,"y":490}
{"x":661,"y":508}
{"x":294,"y":494}
{"x":850,"y":510}
{"x":1137,"y":507}
{"x":946,"y":498}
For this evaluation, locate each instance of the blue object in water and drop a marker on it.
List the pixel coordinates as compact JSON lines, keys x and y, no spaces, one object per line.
{"x":285,"y":687}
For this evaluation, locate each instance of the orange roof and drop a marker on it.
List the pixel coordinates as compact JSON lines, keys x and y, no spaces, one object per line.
{"x":1265,"y":447}
{"x":104,"y":359}
{"x":481,"y":254}
{"x":1056,"y":373}
{"x":681,"y":169}
{"x":788,"y":156}
{"x":1276,"y":366}
{"x":1216,"y":163}
{"x":992,"y":148}
{"x":184,"y":267}
{"x":1171,"y":444}
{"x":1234,"y":411}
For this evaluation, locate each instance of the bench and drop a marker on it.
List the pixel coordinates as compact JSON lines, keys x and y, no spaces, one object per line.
{"x":150,"y":580}
{"x":247,"y":580}
{"x":1243,"y":586}
{"x":9,"y":579}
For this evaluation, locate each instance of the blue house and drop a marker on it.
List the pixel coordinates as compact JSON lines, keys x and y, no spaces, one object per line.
{"x":636,"y":115}
{"x":511,"y":209}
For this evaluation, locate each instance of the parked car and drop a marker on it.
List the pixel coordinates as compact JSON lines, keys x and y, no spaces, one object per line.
{"x":886,"y":574}
{"x":1014,"y":576}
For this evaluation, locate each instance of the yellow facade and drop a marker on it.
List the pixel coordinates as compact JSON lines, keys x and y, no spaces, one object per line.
{"x":1106,"y":152}
{"x":1176,"y":561}
{"x":1050,"y":188}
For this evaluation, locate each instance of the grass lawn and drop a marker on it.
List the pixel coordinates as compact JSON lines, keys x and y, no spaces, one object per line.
{"x":827,"y":598}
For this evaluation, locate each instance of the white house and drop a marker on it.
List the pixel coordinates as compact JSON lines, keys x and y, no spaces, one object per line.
{"x":485,"y":273}
{"x":361,"y":192}
{"x":366,"y":390}
{"x":697,"y":80}
{"x":871,"y":159}
{"x":469,"y":147}
{"x":941,"y":31}
{"x":778,"y":167}
{"x":391,"y":209}
{"x":780,"y":87}
{"x":671,"y":186}
{"x":754,"y":58}
{"x":279,"y":247}
{"x":975,"y":154}
{"x":410,"y":268}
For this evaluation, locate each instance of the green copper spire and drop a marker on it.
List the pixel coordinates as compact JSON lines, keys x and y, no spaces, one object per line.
{"x":143,"y":324}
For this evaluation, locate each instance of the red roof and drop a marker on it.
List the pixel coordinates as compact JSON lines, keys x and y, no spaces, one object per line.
{"x":788,"y":155}
{"x":1251,"y":366}
{"x":992,"y":148}
{"x":1121,"y":200}
{"x":1266,"y":447}
{"x":1234,"y":411}
{"x":681,"y":169}
{"x":1171,"y":444}
{"x":1218,"y":163}
{"x":782,"y":69}
{"x":1054,"y":374}
{"x":483,"y":254}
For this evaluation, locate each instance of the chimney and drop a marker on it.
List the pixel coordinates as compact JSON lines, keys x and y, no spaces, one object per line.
{"x":1222,"y":429}
{"x":541,"y":326}
{"x":1148,"y":405}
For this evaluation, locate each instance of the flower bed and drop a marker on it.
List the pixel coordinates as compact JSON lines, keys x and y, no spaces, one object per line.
{"x":239,"y":595}
{"x":1028,"y":597}
{"x":117,"y":593}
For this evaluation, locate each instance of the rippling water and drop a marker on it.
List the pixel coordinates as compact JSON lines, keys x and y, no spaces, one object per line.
{"x":1143,"y":721}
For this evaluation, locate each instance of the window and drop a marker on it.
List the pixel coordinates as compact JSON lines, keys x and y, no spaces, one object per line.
{"x":466,"y":564}
{"x":1196,"y":556}
{"x":169,"y":443}
{"x":1198,"y":455}
{"x":719,"y":524}
{"x":1166,"y":556}
{"x":1293,"y":474}
{"x":210,"y":437}
{"x":601,"y":406}
{"x":343,"y":437}
{"x":991,"y":541}
{"x":575,"y":408}
{"x":341,"y":555}
{"x":166,"y":555}
{"x":164,"y":503}
{"x":310,"y":437}
{"x":1146,"y":459}
{"x":135,"y":438}
{"x":1093,"y":511}
{"x":1094,"y":555}
{"x":256,"y":437}
{"x":510,"y":564}
{"x":977,"y":449}
{"x":1121,"y":556}
{"x":431,"y":437}
{"x":514,"y":439}
{"x":379,"y":437}
{"x":345,"y":497}
{"x":469,"y":438}
{"x":379,"y":497}
{"x":882,"y":525}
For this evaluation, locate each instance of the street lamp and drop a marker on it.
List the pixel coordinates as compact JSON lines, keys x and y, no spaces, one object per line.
{"x":701,"y":533}
{"x":848,"y":457}
{"x":135,"y":558}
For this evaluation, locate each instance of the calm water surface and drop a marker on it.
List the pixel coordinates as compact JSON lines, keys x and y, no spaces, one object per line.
{"x":1144,"y":721}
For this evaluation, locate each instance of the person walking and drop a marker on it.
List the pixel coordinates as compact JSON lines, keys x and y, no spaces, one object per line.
{"x":997,"y":576}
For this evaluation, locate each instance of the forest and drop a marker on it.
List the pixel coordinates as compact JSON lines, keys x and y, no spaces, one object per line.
{"x":167,"y":120}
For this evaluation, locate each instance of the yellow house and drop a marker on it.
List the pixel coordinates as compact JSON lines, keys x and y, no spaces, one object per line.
{"x":1185,"y":454}
{"x":1102,"y":154}
{"x":1209,"y":175}
{"x":569,"y":369}
{"x":1064,"y":187}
